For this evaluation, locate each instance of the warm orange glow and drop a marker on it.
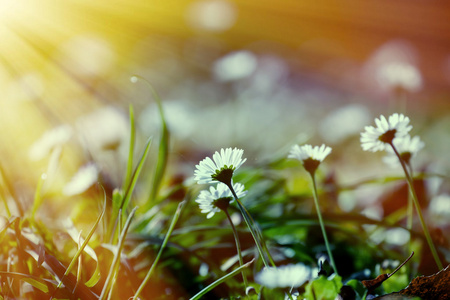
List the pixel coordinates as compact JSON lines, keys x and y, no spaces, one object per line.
{"x":61,"y":59}
{"x":259,"y":75}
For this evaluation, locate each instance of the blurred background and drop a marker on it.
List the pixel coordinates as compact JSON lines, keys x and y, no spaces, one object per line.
{"x":260,"y":75}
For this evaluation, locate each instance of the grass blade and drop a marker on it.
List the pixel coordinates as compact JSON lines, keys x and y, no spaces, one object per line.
{"x":129,"y":173}
{"x":116,"y":260}
{"x":96,"y":274}
{"x":220,"y":280}
{"x":37,"y":196}
{"x":129,"y":192}
{"x":163,"y":245}
{"x":36,"y":282}
{"x":163,"y":150}
{"x":117,"y":198}
{"x":4,"y":192}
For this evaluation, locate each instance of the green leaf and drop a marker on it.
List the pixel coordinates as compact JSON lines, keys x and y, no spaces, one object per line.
{"x":396,"y":283}
{"x":357,"y":286}
{"x":323,"y":288}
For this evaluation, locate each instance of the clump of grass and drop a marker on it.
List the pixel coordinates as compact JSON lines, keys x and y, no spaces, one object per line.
{"x":166,"y":249}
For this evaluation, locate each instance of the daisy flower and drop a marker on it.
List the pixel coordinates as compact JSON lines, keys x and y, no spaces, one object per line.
{"x":217,"y":199}
{"x":376,"y":138}
{"x":311,"y":159}
{"x":221,"y":167}
{"x":287,"y":276}
{"x":407,"y":147}
{"x":309,"y":156}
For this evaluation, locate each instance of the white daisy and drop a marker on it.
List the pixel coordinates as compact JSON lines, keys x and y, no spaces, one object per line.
{"x":309,"y":156}
{"x":215,"y":200}
{"x":406,"y":146}
{"x":376,"y":139}
{"x":287,"y":276}
{"x":221,"y":167}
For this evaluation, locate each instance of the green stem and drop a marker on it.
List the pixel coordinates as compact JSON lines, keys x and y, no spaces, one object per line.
{"x":163,"y":245}
{"x":322,"y":225}
{"x":252,"y":227}
{"x":259,"y":234}
{"x":409,"y":208}
{"x":238,"y":247}
{"x":418,"y":209}
{"x":409,"y":212}
{"x":409,"y":222}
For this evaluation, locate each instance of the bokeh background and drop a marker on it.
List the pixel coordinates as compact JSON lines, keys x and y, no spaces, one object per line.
{"x":260,"y":75}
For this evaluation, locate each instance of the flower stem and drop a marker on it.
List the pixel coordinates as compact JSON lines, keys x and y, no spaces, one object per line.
{"x":409,"y":220}
{"x":419,"y":211}
{"x":322,"y":226}
{"x":257,"y":236}
{"x":238,"y":247}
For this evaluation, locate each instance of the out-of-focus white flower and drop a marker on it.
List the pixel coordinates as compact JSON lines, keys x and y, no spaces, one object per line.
{"x":376,"y":138}
{"x":393,"y":68}
{"x":211,"y":15}
{"x":287,"y":276}
{"x":309,"y":156}
{"x":215,"y":199}
{"x":221,"y":167}
{"x":235,"y":65}
{"x":87,"y":55}
{"x":406,"y":146}
{"x":396,"y":75}
{"x":103,"y":130}
{"x":397,"y":236}
{"x":49,"y":140}
{"x":343,"y":122}
{"x":439,"y":209}
{"x":104,"y":134}
{"x":82,"y":180}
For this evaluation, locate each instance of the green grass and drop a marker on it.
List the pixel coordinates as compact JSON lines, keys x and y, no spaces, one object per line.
{"x":164,"y":248}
